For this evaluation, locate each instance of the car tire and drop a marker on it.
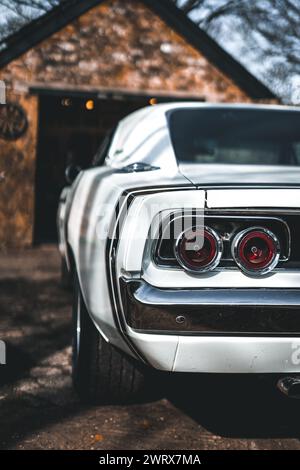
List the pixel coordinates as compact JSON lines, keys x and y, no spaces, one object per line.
{"x":102,"y":374}
{"x":65,"y":275}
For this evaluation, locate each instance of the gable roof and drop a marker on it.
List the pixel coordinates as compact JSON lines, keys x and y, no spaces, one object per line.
{"x":41,"y":28}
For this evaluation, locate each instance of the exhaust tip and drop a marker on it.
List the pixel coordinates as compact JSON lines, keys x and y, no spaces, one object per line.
{"x":289,"y":386}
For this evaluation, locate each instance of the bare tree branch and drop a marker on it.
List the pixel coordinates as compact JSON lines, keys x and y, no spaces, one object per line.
{"x":269,"y":29}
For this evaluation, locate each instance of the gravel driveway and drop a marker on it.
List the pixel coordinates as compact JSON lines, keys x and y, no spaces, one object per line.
{"x":39,"y":410}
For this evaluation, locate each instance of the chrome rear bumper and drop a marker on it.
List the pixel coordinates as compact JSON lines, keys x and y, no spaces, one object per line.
{"x":148,"y":309}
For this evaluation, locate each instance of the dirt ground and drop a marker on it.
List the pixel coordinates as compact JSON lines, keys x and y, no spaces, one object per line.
{"x":39,"y":409}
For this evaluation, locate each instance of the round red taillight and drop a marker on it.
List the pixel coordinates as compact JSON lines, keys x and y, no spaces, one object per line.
{"x":256,"y":250}
{"x":199,"y":249}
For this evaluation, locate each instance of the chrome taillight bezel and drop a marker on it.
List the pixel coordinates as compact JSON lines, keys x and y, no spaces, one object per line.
{"x":213,"y":263}
{"x":237,"y":240}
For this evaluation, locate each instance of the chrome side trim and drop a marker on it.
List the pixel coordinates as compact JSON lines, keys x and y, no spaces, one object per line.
{"x":147,"y":294}
{"x":112,"y":245}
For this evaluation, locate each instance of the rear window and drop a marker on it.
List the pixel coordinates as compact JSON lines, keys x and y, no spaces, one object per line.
{"x":236,"y":136}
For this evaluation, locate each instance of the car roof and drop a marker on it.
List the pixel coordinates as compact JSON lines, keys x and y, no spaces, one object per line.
{"x":156,"y":115}
{"x":140,"y":128}
{"x":162,"y":108}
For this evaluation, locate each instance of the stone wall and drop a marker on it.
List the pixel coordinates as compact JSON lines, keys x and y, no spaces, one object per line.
{"x":17,"y":163}
{"x":117,"y":44}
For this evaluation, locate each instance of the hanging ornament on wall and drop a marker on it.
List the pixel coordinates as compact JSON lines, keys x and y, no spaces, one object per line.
{"x":13,"y":121}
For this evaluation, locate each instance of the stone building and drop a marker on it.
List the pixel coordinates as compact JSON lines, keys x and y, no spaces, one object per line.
{"x":73,"y":73}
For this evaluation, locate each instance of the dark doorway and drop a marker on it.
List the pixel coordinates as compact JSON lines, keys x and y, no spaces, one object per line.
{"x":70,"y":131}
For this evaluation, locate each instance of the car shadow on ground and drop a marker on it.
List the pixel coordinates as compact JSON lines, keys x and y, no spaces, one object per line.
{"x":236,"y":406}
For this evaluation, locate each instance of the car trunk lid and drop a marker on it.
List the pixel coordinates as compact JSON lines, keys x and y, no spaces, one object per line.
{"x":240,"y":175}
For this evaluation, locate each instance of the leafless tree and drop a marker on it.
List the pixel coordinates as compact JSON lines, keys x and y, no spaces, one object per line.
{"x":28,"y":8}
{"x":19,"y":12}
{"x":276,"y":21}
{"x":269,"y":32}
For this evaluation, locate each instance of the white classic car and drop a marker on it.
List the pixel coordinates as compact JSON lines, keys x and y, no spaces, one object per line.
{"x":183,"y":243}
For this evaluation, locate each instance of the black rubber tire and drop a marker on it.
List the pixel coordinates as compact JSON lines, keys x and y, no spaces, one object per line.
{"x":102,"y":374}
